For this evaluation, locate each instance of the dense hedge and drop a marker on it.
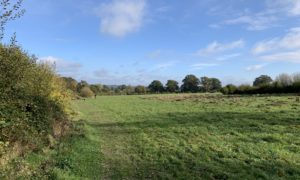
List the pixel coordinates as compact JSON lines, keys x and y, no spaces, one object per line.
{"x":266,"y":89}
{"x":32,"y":97}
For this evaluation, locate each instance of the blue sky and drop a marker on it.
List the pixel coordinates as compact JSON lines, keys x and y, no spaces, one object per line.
{"x":137,"y":41}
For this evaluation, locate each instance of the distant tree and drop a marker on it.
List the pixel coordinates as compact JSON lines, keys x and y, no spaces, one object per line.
{"x":156,"y":87}
{"x":96,"y":88}
{"x":244,"y":89}
{"x":190,"y":84}
{"x":210,"y":84}
{"x":70,"y":83}
{"x":140,"y":90}
{"x":205,"y":84}
{"x":262,"y":80}
{"x":296,"y":77}
{"x":122,"y":87}
{"x":284,"y":80}
{"x":106,"y":89}
{"x":86,"y":92}
{"x":81,"y":85}
{"x":172,"y":86}
{"x":225,"y":90}
{"x":9,"y":11}
{"x":229,"y":89}
{"x":216,"y":84}
{"x":129,"y":90}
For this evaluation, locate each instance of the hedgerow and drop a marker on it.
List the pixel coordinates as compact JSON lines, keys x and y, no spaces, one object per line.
{"x":32,"y":99}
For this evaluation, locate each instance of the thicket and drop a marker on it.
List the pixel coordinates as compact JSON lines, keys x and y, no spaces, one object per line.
{"x":33,"y":100}
{"x":283,"y":84}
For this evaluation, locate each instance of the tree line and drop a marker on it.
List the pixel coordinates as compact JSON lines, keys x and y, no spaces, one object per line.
{"x":263,"y":84}
{"x":190,"y":84}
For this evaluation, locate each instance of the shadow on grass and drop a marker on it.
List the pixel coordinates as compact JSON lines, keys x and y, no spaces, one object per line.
{"x":253,"y":122}
{"x":250,"y":150}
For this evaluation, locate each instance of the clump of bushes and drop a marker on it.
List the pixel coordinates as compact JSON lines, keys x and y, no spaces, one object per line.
{"x":32,"y":99}
{"x":86,"y":92}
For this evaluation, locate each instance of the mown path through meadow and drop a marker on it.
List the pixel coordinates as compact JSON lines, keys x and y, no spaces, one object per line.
{"x":189,"y":137}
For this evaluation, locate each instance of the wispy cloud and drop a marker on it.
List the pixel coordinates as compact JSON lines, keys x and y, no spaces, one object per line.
{"x":62,"y":66}
{"x":164,"y":66}
{"x":292,"y":56}
{"x":200,"y":66}
{"x":122,"y":17}
{"x":290,"y":41}
{"x":216,"y":47}
{"x":283,"y":49}
{"x":290,"y":7}
{"x":228,"y":56}
{"x":255,"y":67}
{"x":255,"y":22}
{"x":155,"y":54}
{"x":274,"y":11}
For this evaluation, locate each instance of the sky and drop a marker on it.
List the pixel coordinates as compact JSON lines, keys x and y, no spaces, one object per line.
{"x":136,"y":41}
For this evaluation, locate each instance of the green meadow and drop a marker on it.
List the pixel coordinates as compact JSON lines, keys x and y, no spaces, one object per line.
{"x":186,"y":136}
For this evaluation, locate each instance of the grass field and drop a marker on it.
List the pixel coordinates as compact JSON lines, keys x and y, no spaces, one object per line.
{"x":187,"y":137}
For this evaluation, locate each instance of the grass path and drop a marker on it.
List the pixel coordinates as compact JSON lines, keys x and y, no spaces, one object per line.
{"x":176,"y":137}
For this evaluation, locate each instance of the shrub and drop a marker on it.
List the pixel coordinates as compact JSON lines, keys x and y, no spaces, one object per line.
{"x":86,"y":92}
{"x":32,"y":97}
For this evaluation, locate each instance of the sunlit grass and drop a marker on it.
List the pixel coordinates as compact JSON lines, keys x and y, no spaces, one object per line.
{"x":194,"y":136}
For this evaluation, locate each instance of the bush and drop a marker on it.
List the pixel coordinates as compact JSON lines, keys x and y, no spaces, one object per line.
{"x":86,"y":92}
{"x":32,"y":97}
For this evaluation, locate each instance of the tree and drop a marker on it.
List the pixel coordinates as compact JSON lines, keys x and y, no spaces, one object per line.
{"x":205,"y":83}
{"x":86,"y":92}
{"x":129,"y":90}
{"x":296,"y":77}
{"x":210,"y":84}
{"x":262,"y":80}
{"x":190,"y":84}
{"x":140,"y":90}
{"x":172,"y":86}
{"x":229,"y":89}
{"x":96,"y":88}
{"x":9,"y":12}
{"x":81,"y":85}
{"x":244,"y":89}
{"x":216,"y":84}
{"x":284,"y":80}
{"x":156,"y":87}
{"x":106,"y":89}
{"x":70,"y":83}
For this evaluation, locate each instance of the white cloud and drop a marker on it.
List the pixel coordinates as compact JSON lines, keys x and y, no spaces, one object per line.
{"x":289,"y":7}
{"x":216,"y":47}
{"x":293,"y":56}
{"x":200,"y":66}
{"x":265,"y":46}
{"x":228,"y":57}
{"x":122,"y":17}
{"x":255,"y":67}
{"x":288,"y":42}
{"x":282,"y":49}
{"x":274,"y":12}
{"x":254,"y":22}
{"x":164,"y":66}
{"x":62,"y":66}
